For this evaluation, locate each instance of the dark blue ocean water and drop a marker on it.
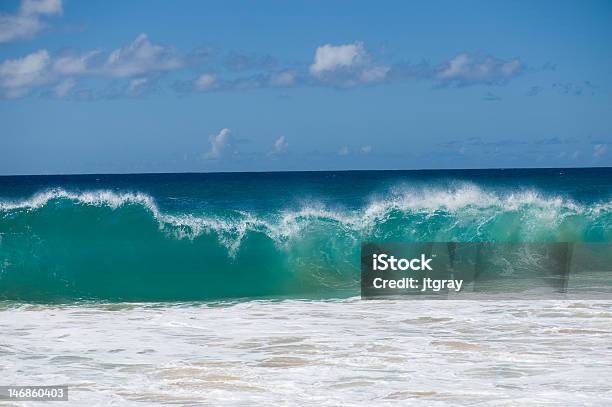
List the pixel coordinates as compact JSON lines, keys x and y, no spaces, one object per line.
{"x":275,"y":190}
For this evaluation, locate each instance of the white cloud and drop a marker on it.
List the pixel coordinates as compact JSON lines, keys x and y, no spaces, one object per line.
{"x":280,"y":146}
{"x":282,"y":79}
{"x":18,"y":27}
{"x":469,"y":69}
{"x":17,"y":76}
{"x":599,"y":150}
{"x":346,"y":150}
{"x":140,"y":57}
{"x":61,"y":89}
{"x":374,"y":74}
{"x":26,"y":23}
{"x":205,"y":82}
{"x":329,"y":58}
{"x":346,"y":66}
{"x":73,"y":64}
{"x":141,"y":61}
{"x":137,"y":86}
{"x":43,"y":7}
{"x":218,"y":143}
{"x":137,"y":60}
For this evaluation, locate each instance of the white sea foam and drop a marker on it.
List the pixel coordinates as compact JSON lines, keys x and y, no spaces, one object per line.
{"x":315,"y":353}
{"x":465,"y":203}
{"x":97,"y":198}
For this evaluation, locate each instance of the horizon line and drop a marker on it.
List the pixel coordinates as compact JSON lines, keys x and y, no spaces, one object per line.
{"x":304,"y":171}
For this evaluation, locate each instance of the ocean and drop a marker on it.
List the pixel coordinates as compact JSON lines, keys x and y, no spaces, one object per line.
{"x":242,"y":288}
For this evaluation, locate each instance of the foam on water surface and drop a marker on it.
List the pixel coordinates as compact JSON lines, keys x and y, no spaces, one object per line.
{"x":319,"y":353}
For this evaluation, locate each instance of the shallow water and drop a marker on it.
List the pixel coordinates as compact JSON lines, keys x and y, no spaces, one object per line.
{"x":341,"y":352}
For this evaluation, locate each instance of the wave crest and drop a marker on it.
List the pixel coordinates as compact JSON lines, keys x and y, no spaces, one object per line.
{"x":433,"y":209}
{"x":104,"y":244}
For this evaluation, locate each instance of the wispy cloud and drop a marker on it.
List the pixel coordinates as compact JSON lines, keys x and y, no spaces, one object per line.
{"x":599,"y":150}
{"x":208,"y":82}
{"x":552,"y":147}
{"x":491,"y":97}
{"x":41,"y":7}
{"x":344,"y":151}
{"x":135,"y":62}
{"x":280,"y":146}
{"x":138,"y":86}
{"x":238,"y":62}
{"x":575,"y":88}
{"x":535,"y":90}
{"x":141,"y":57}
{"x":205,"y":82}
{"x":17,"y":76}
{"x":348,"y":150}
{"x":283,"y":78}
{"x":73,"y":63}
{"x":465,"y":69}
{"x":218,"y":143}
{"x":579,"y":88}
{"x":61,"y":89}
{"x":26,"y":22}
{"x":340,"y":66}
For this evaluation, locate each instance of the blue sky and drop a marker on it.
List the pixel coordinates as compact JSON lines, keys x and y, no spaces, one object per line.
{"x":172,"y":86}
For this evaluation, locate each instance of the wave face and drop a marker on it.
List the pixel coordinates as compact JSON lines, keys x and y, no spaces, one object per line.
{"x":61,"y":244}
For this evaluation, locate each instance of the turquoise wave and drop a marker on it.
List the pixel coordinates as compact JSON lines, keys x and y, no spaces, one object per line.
{"x":62,"y":246}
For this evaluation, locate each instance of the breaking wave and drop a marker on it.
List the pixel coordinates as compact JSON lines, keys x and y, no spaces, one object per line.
{"x":101,"y":244}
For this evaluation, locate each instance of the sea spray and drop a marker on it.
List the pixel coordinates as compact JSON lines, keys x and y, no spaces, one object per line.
{"x":62,"y":243}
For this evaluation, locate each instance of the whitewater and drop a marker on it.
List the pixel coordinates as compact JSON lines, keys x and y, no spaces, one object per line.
{"x":314,"y":353}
